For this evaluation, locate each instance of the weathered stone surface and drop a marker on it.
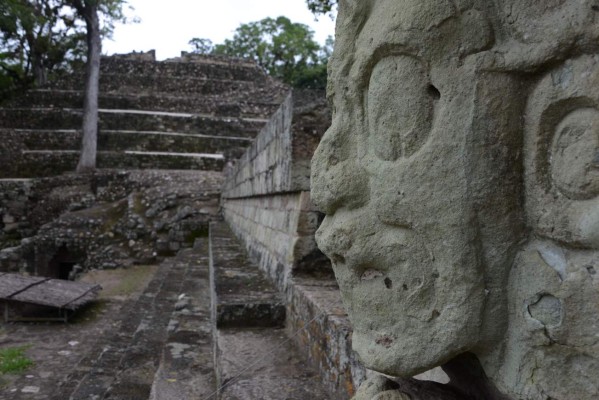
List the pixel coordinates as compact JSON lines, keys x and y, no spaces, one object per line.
{"x":139,"y":120}
{"x":279,"y":159}
{"x":260,"y":364}
{"x":318,"y":324}
{"x":152,"y":341}
{"x":265,"y":196}
{"x":278,"y":232}
{"x":243,"y":297}
{"x":105,"y":220}
{"x":209,"y":106}
{"x":186,"y":368}
{"x":257,"y":102}
{"x":462,"y":234}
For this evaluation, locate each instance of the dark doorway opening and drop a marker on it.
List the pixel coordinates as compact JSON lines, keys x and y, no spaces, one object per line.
{"x":62,"y":264}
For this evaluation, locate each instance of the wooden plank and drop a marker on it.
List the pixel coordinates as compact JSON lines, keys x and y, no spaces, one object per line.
{"x":84,"y":298}
{"x":45,"y":291}
{"x":14,"y":283}
{"x":55,"y":293}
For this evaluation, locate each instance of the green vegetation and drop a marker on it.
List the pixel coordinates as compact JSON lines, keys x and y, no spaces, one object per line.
{"x":286,"y":50}
{"x":13,"y":360}
{"x":40,"y":37}
{"x":123,"y":282}
{"x":321,"y":6}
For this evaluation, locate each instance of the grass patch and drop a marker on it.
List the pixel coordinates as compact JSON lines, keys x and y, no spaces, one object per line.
{"x":13,"y":360}
{"x":121,"y":282}
{"x":130,"y":281}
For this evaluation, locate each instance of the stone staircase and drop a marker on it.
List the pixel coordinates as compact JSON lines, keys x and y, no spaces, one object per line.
{"x":209,"y":325}
{"x":254,"y":357}
{"x":190,"y":114}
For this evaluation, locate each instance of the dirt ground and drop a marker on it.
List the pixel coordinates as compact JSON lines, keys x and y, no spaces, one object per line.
{"x":56,"y":348}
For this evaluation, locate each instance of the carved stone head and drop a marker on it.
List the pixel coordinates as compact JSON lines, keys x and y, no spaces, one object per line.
{"x":437,"y":190}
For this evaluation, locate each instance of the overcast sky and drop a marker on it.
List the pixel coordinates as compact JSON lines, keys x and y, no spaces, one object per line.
{"x":167,"y":26}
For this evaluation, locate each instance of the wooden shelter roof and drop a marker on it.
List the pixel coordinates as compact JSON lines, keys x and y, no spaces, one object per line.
{"x":45,"y":291}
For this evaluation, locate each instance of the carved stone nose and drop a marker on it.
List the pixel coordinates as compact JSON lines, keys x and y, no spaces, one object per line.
{"x":337,"y":181}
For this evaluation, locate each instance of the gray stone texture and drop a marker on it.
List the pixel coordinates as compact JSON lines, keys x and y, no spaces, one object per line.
{"x":318,"y":324}
{"x":265,"y":196}
{"x":260,"y":364}
{"x":278,"y":231}
{"x":193,"y":112}
{"x":460,"y":182}
{"x":104,"y":220}
{"x":279,"y":159}
{"x":267,"y":205}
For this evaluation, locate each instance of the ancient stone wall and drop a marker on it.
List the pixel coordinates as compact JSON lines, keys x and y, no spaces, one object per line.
{"x":278,"y":230}
{"x":189,"y":113}
{"x":266,"y":192}
{"x":106,"y":220}
{"x":266,"y":201}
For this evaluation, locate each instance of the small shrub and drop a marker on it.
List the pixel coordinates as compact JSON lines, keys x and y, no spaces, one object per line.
{"x":13,"y":360}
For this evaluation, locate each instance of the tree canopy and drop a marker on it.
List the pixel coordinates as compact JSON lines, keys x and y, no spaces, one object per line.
{"x":40,"y":36}
{"x":321,"y":6}
{"x":286,"y":50}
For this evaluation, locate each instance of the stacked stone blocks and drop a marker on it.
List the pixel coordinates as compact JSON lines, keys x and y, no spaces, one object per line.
{"x":189,"y":113}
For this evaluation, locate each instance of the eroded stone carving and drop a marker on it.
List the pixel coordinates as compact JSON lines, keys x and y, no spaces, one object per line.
{"x":462,"y":233}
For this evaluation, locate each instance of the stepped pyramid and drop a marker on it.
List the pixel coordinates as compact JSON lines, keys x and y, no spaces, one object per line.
{"x":193,"y":112}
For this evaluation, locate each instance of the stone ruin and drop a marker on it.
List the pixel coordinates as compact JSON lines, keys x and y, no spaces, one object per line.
{"x":172,"y":118}
{"x":166,"y":131}
{"x":460,"y":179}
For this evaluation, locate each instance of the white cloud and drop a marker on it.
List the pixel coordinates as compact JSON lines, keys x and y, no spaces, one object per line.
{"x":168,"y":26}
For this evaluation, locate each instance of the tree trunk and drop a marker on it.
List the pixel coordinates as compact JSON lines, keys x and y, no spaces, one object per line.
{"x":87,"y":159}
{"x":39,"y":72}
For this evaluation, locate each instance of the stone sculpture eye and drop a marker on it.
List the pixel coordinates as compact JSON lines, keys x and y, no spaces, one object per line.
{"x":574,"y":168}
{"x":400,"y":107}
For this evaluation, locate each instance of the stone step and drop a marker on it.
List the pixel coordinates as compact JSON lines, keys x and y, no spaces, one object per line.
{"x":95,"y":373}
{"x":243,"y":296}
{"x":261,"y":364}
{"x":186,"y":368}
{"x":255,"y":360}
{"x":138,"y":366}
{"x":124,"y":364}
{"x":147,"y":83}
{"x":138,"y":120}
{"x":112,"y":140}
{"x":209,"y":67}
{"x":43,"y":163}
{"x":315,"y":303}
{"x":257,"y":103}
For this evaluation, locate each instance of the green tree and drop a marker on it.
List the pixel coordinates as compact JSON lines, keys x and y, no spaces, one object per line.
{"x":201,"y":46}
{"x":321,"y":6}
{"x":35,"y":37}
{"x":40,"y":36}
{"x":286,"y":50}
